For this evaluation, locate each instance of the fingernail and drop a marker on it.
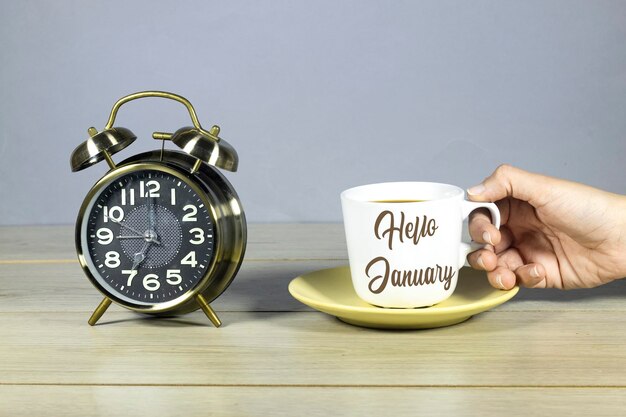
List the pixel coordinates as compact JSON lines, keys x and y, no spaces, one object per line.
{"x":534,"y":272}
{"x":476,"y":190}
{"x":480,"y":262}
{"x":487,"y":238}
{"x":499,"y":282}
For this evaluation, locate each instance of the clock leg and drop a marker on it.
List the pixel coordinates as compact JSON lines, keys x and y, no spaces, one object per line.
{"x":99,"y":311}
{"x":210,"y":313}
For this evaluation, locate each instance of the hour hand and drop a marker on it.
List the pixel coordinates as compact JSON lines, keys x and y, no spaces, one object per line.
{"x":139,"y":257}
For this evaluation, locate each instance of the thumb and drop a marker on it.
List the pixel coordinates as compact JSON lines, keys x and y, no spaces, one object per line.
{"x":508,"y":181}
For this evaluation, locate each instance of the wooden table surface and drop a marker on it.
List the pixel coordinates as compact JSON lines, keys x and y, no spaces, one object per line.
{"x":545,"y":352}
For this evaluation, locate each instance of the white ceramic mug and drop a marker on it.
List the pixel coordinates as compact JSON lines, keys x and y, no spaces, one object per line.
{"x":407,"y":254}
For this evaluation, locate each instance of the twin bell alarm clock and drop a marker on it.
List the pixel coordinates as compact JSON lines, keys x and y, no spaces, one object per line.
{"x":162,"y":232}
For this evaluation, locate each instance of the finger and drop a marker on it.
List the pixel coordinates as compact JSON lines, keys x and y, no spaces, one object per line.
{"x":481,"y":229}
{"x":531,"y":276}
{"x":508,"y":181}
{"x":483,"y":259}
{"x":506,"y":240}
{"x":504,"y":207}
{"x":510,"y":259}
{"x":502,"y":278}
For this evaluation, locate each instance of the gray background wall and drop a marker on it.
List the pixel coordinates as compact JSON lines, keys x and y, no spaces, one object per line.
{"x":315,"y":96}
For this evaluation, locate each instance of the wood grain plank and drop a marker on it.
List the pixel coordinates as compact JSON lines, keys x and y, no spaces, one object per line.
{"x":27,"y":401}
{"x":265,"y":242}
{"x":567,"y":349}
{"x":609,"y":297}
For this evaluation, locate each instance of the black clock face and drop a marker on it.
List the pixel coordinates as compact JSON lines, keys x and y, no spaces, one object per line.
{"x":147,"y":237}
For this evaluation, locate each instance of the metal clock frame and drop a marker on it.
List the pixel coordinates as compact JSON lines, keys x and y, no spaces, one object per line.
{"x":204,"y":152}
{"x":213,"y":282}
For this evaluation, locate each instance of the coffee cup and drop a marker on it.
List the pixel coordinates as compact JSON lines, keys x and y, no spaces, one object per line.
{"x":405,"y":241}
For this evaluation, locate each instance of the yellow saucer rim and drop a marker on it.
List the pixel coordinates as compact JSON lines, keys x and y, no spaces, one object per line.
{"x":471,"y":307}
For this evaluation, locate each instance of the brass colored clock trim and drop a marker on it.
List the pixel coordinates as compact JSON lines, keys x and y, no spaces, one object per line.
{"x":203,"y":284}
{"x":202,"y":144}
{"x":161,"y":94}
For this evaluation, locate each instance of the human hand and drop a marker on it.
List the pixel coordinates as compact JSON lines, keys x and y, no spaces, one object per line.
{"x":554,"y":233}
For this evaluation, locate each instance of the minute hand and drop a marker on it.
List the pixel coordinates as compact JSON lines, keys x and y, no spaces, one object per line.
{"x":151,"y":214}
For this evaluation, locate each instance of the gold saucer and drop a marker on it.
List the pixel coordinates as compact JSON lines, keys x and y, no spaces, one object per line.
{"x":331,"y":291}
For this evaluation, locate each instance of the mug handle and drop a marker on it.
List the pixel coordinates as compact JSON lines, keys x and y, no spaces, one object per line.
{"x":466,"y":209}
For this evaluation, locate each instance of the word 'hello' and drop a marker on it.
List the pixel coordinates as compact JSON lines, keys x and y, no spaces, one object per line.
{"x":412,"y":231}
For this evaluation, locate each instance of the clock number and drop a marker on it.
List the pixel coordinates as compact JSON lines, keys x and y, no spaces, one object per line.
{"x":190,"y":259}
{"x":112,"y":259}
{"x":105,"y":236}
{"x":131,"y":194}
{"x":173,"y":196}
{"x":173,"y":277}
{"x":151,"y":282}
{"x":191,"y":216}
{"x":199,"y":238}
{"x":153,"y":188}
{"x":114,"y":213}
{"x":131,"y":274}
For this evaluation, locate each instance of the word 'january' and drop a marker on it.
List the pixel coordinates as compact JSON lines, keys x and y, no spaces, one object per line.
{"x":407,"y":278}
{"x":413,"y":232}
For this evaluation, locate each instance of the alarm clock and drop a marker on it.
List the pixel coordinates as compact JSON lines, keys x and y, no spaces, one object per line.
{"x":162,"y":232}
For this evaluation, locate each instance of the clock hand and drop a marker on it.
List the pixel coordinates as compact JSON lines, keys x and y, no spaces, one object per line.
{"x":154,"y":240}
{"x":151,"y":217}
{"x":150,"y":239}
{"x":123,"y":225}
{"x":139,"y":257}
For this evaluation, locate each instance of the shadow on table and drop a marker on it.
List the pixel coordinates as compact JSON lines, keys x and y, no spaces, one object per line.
{"x":262,"y":286}
{"x":613,"y":291}
{"x":259,"y":289}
